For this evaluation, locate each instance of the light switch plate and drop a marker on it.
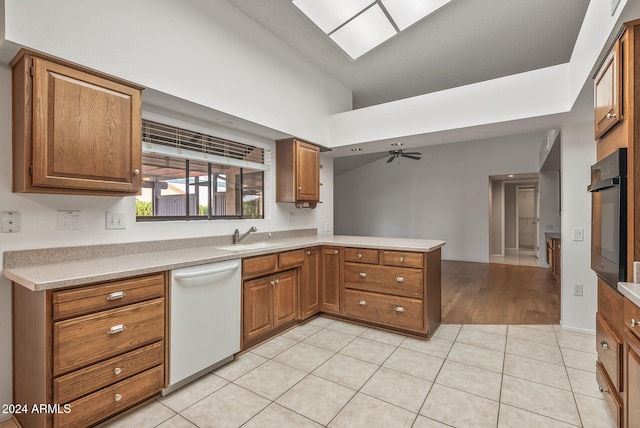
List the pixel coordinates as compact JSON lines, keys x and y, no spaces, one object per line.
{"x":577,"y":234}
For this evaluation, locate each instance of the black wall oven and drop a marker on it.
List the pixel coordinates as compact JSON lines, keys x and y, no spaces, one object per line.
{"x":609,"y":217}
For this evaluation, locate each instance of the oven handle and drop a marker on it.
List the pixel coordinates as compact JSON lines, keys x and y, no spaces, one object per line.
{"x":604,"y":185}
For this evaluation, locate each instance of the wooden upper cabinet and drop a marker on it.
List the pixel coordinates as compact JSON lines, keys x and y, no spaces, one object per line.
{"x":75,"y":131}
{"x":297,"y":172}
{"x":608,"y":92}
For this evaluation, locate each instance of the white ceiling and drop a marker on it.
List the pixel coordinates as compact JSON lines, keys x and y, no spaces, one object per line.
{"x":466,"y":41}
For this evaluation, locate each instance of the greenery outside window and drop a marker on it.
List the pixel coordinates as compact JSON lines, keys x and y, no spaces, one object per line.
{"x":179,"y":183}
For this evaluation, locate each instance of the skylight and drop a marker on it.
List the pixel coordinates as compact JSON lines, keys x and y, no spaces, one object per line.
{"x":358,"y":26}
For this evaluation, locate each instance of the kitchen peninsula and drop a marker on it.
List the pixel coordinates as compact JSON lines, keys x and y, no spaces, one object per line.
{"x":66,"y":297}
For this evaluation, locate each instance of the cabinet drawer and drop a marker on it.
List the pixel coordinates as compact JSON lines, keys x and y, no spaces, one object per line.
{"x":608,"y":393}
{"x":99,"y":297}
{"x":611,"y":307}
{"x":111,"y":400}
{"x":632,"y":317}
{"x":402,"y":258}
{"x":361,"y":255}
{"x":289,"y":259}
{"x":259,"y":265}
{"x":398,"y":312}
{"x":384,"y":279}
{"x":84,"y":340}
{"x":82,"y":382}
{"x":609,"y":348}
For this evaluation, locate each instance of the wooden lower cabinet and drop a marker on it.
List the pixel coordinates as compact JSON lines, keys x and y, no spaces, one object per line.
{"x":330,"y":279}
{"x":92,"y":351}
{"x":632,"y":380}
{"x":268,"y":303}
{"x":309,"y":292}
{"x":400,"y":291}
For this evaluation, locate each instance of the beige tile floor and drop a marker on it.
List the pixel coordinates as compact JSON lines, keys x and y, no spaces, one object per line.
{"x":333,"y":373}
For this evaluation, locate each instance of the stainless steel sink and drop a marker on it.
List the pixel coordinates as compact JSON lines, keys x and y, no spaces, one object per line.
{"x":248,"y":247}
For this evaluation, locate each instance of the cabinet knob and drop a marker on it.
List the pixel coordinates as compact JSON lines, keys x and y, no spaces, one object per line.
{"x":272,"y":282}
{"x":634,"y":322}
{"x":117,"y":295}
{"x":335,"y":251}
{"x":359,"y":255}
{"x":399,"y":279}
{"x":401,"y":259}
{"x":611,"y":115}
{"x":300,"y":189}
{"x":116,"y":329}
{"x":277,"y":281}
{"x":363,"y":275}
{"x":117,"y":370}
{"x":362,"y":303}
{"x":399,"y":309}
{"x":308,"y":252}
{"x":136,"y":171}
{"x":118,"y":397}
{"x":604,"y":345}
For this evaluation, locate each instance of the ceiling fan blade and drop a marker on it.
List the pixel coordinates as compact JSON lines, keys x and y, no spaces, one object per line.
{"x":391,"y":158}
{"x":410,"y":157}
{"x":413,"y":153}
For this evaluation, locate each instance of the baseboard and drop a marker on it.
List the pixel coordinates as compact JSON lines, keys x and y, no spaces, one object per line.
{"x":570,"y":329}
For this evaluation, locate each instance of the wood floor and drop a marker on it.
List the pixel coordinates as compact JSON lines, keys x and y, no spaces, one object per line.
{"x":483,"y":293}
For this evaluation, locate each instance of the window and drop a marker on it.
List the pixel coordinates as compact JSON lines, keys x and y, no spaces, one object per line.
{"x":190,"y":175}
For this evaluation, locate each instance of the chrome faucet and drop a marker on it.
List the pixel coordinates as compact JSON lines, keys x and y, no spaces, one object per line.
{"x":237,"y":237}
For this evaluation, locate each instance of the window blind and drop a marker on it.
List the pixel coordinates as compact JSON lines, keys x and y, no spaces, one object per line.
{"x":168,"y":140}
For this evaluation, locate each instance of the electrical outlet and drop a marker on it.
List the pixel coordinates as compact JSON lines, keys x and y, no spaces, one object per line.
{"x":68,"y":220}
{"x":114,"y":220}
{"x":577,"y":289}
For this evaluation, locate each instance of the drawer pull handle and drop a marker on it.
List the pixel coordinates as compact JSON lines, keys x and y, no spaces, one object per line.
{"x":117,"y":370}
{"x":634,"y":322}
{"x":604,"y":345}
{"x":399,"y":279}
{"x":401,"y":259}
{"x":117,"y":329}
{"x":399,"y":309}
{"x":359,"y":255}
{"x":117,"y":295}
{"x":363,"y":275}
{"x":362,"y":303}
{"x":118,"y":397}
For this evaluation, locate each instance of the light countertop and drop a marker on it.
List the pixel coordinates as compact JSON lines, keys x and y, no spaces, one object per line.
{"x":631,"y":291}
{"x":56,"y":272}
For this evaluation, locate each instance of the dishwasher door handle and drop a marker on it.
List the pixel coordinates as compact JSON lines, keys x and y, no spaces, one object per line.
{"x":206,"y":272}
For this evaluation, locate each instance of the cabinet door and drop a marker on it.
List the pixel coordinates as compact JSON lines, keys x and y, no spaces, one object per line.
{"x":608,"y":92}
{"x":633,"y":382}
{"x":285,"y":297}
{"x":309,"y":291}
{"x":86,"y":131}
{"x":307,"y":172}
{"x":330,"y":284}
{"x":257,"y":307}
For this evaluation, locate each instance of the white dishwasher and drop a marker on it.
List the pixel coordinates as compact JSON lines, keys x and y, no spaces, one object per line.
{"x":204,"y":320}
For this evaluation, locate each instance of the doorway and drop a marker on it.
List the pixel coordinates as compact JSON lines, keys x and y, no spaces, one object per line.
{"x":513,"y":219}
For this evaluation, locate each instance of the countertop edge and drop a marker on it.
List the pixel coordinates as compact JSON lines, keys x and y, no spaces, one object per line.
{"x":67,"y":274}
{"x":631,"y":291}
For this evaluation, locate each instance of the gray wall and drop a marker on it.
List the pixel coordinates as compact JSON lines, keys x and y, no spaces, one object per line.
{"x":443,"y":196}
